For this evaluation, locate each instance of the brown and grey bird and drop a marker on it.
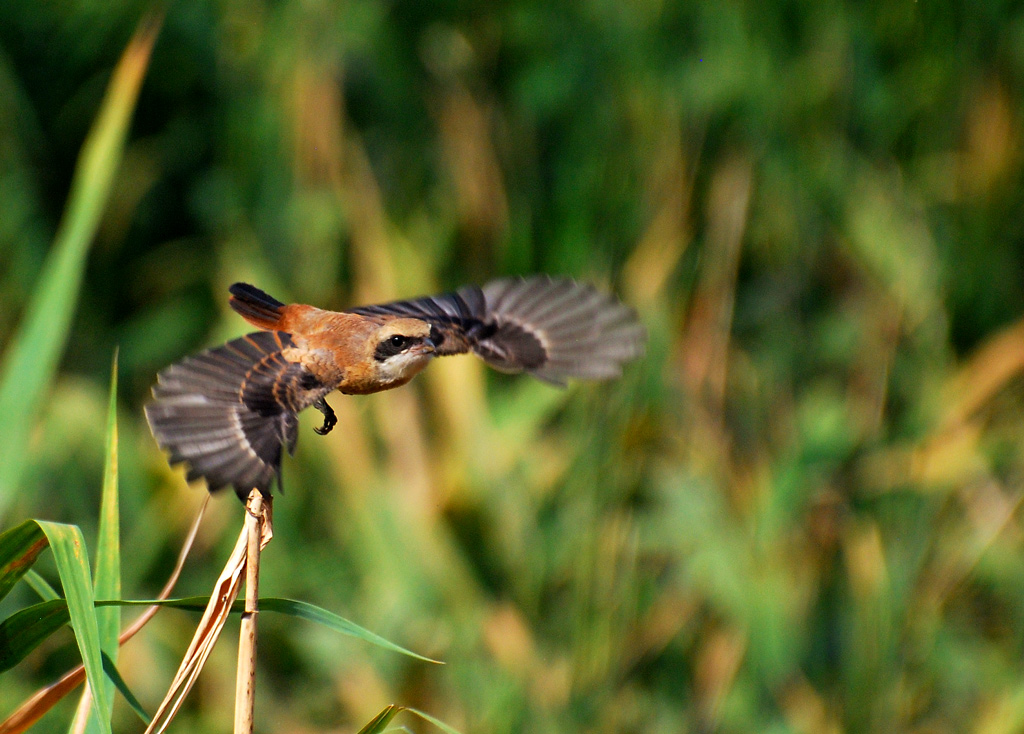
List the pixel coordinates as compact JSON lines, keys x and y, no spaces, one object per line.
{"x":228,"y":412}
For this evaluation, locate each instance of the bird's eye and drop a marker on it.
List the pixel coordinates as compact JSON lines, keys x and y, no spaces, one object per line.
{"x":392,"y":345}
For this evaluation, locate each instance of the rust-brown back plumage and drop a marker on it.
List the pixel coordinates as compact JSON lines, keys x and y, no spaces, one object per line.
{"x":227,"y":413}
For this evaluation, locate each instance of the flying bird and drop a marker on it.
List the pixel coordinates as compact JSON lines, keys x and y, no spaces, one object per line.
{"x":227,"y":413}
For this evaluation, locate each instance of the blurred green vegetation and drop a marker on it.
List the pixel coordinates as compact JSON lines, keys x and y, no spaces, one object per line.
{"x":799,"y":513}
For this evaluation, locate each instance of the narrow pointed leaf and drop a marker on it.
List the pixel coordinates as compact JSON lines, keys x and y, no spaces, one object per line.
{"x":187,"y":603}
{"x":41,"y":586}
{"x":108,"y":556}
{"x":108,"y":551}
{"x":110,"y":668}
{"x":436,"y":722}
{"x":72,"y":559}
{"x":305,"y":610}
{"x":379,"y":722}
{"x":31,"y":356}
{"x":23,"y":631}
{"x":290,"y":607}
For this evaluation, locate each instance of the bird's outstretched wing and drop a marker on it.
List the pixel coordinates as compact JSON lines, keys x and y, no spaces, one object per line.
{"x":551,"y":328}
{"x":228,"y":412}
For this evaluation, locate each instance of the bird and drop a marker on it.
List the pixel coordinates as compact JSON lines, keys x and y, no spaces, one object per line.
{"x":230,"y":412}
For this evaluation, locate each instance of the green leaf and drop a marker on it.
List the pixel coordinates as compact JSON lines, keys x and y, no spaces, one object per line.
{"x":19,"y":548}
{"x":108,"y":553}
{"x":380,"y":721}
{"x":72,"y":559}
{"x":290,"y":607}
{"x":115,"y":677}
{"x":436,"y":722}
{"x":23,"y":631}
{"x":41,"y":586}
{"x":31,"y":358}
{"x":188,"y":603}
{"x":305,"y":610}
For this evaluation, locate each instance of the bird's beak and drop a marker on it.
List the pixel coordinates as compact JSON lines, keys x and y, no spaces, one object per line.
{"x":426,"y":346}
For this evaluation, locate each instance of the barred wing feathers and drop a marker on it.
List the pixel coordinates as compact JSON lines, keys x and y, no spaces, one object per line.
{"x":226,"y":413}
{"x":551,"y":328}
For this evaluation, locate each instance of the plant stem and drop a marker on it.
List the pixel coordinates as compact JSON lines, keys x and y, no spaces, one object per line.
{"x":245,"y":681}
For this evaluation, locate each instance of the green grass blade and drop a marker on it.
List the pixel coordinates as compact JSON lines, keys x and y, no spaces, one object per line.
{"x":72,"y":559}
{"x":379,"y":722}
{"x":41,"y":586}
{"x":312,"y":613}
{"x":115,"y":677}
{"x":23,"y":631}
{"x":107,"y":583}
{"x":187,"y":603}
{"x":19,"y":548}
{"x":31,"y":358}
{"x":291,"y":607}
{"x":436,"y":722}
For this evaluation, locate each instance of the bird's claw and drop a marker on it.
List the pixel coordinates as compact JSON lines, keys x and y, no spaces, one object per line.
{"x":330,"y":419}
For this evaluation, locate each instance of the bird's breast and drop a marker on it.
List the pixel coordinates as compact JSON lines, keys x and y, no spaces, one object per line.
{"x":368,"y":377}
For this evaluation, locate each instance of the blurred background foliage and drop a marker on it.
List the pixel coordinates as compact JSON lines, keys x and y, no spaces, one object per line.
{"x":799,"y":513}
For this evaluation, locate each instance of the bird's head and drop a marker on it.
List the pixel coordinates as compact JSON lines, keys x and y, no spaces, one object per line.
{"x":402,"y":347}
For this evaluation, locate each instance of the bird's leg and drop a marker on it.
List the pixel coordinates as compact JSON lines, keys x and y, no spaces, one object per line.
{"x":330,"y":420}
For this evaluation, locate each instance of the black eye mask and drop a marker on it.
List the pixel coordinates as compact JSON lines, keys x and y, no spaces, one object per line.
{"x":393,"y":345}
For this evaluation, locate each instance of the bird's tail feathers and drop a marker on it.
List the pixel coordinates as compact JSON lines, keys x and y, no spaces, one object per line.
{"x":256,"y":307}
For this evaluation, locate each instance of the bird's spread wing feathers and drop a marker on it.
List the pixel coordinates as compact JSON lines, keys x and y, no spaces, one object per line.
{"x":228,"y":412}
{"x":552,"y":328}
